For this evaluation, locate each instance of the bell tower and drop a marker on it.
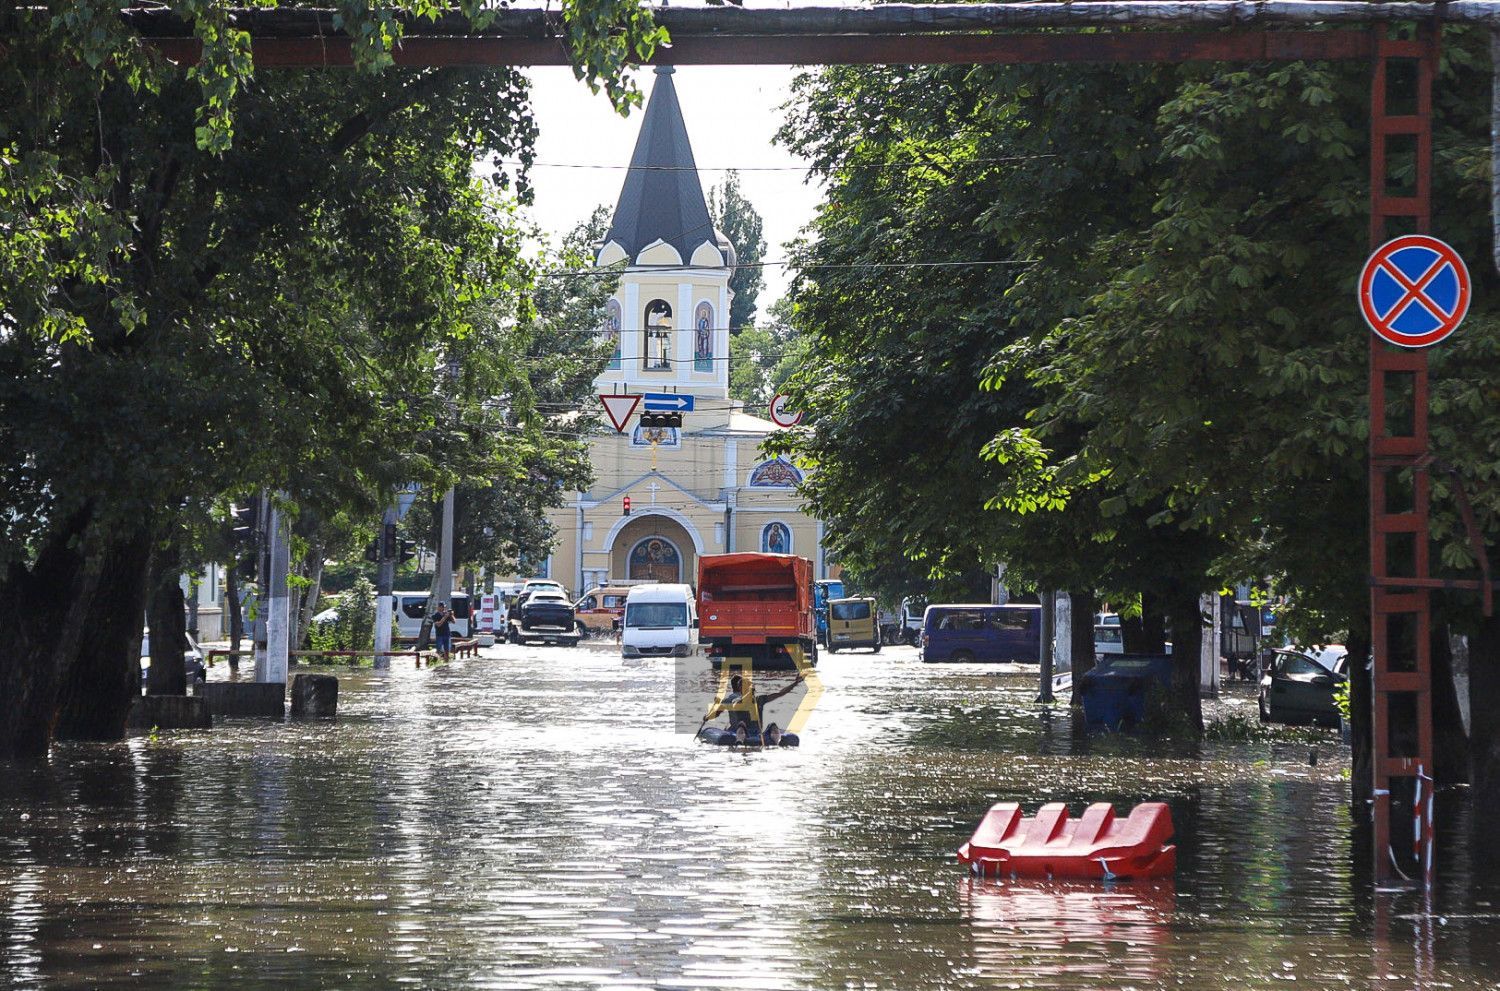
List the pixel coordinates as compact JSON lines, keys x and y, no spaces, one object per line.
{"x":669,"y":316}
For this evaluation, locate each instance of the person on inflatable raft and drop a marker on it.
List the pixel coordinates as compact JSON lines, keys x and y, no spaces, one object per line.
{"x":744,"y":719}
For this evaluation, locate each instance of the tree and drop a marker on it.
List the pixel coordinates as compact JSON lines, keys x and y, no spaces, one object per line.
{"x":739,"y":221}
{"x":1174,"y":396}
{"x":763,"y":359}
{"x":227,"y":282}
{"x":499,"y":516}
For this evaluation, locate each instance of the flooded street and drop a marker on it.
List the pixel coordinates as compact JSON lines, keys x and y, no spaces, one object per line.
{"x":530,"y":819}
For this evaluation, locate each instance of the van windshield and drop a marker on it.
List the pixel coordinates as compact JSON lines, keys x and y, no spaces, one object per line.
{"x":846,"y":611}
{"x":655,"y":615}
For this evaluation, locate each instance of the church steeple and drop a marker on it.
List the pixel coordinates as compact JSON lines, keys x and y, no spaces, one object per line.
{"x":662,"y":198}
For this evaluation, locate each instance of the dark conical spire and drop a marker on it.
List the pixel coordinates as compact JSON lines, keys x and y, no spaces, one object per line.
{"x":662,"y":197}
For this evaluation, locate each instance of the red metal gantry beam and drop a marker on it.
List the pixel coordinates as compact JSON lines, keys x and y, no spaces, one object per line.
{"x":1130,"y":46}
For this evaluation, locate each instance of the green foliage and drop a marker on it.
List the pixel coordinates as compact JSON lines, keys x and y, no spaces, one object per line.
{"x":1154,"y":383}
{"x":354,"y":628}
{"x":737,"y":219}
{"x":762,"y":360}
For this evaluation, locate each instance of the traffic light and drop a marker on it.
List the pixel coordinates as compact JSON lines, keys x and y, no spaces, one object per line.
{"x":245,"y":567}
{"x":657,"y":418}
{"x":408,"y":550}
{"x":389,"y":548}
{"x":243,"y":521}
{"x":372,"y":552}
{"x":625,"y":506}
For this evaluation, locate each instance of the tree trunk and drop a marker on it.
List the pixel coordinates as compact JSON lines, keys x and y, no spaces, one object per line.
{"x":310,"y":596}
{"x":1145,"y":634}
{"x":1484,"y":722}
{"x":43,"y":610}
{"x":1187,"y":657}
{"x":104,"y":674}
{"x":1083,"y":637}
{"x":167,"y":617}
{"x":1450,"y":758}
{"x":1360,"y":702}
{"x":232,"y":610}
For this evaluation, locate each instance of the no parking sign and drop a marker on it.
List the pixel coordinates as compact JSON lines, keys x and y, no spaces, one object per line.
{"x":1414,"y":291}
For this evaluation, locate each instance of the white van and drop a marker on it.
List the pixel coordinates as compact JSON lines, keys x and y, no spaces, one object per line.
{"x":659,"y":620}
{"x":411,"y":608}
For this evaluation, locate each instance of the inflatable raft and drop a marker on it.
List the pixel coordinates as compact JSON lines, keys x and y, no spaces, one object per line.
{"x":1095,"y":846}
{"x":725,"y":738}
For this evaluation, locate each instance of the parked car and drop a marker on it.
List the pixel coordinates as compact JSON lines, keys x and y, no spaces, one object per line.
{"x":982,"y":632}
{"x":546,"y":615}
{"x":192,"y":659}
{"x":659,"y":620}
{"x":411,"y":609}
{"x":601,"y":609}
{"x":825,"y":590}
{"x":911,"y":620}
{"x":534,"y":585}
{"x":1299,"y":684}
{"x":852,"y":623}
{"x":1108,"y":640}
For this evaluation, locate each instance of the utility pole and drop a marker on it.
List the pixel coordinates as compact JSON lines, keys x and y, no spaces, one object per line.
{"x":385,"y":581}
{"x":1049,"y":606}
{"x":445,"y":551}
{"x":278,"y":604}
{"x":262,"y":582}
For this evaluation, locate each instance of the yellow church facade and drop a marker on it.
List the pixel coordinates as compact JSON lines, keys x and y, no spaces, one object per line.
{"x":706,"y":488}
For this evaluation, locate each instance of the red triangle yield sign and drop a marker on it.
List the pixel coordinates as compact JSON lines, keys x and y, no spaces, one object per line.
{"x":618,"y":409}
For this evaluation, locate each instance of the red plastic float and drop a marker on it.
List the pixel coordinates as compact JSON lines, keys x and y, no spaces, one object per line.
{"x":1095,"y":846}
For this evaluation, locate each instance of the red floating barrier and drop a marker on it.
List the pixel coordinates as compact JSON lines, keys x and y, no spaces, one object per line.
{"x":1095,"y":846}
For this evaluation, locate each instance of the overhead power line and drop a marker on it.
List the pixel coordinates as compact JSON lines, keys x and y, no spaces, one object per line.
{"x":945,"y":163}
{"x":615,"y":273}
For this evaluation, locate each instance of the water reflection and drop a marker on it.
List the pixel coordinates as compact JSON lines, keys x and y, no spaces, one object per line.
{"x":1086,"y":936}
{"x":531,"y":820}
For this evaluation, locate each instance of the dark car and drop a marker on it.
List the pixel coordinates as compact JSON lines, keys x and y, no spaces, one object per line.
{"x":1299,"y":685}
{"x":546,"y":616}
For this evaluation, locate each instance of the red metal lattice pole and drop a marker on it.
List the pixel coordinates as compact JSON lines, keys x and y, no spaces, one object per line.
{"x":1400,"y":615}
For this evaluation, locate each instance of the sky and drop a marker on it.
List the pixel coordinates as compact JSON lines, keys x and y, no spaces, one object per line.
{"x":732,"y":112}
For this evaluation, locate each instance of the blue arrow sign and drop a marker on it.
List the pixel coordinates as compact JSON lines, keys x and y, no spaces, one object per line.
{"x":669,"y":401}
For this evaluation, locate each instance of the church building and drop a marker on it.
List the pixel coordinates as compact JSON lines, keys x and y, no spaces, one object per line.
{"x":706,"y":488}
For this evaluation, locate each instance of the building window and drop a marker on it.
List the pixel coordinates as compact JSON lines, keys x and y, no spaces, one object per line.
{"x":588,"y":531}
{"x":775,"y":538}
{"x":703,"y":338}
{"x":612,"y":329}
{"x":658,"y":352}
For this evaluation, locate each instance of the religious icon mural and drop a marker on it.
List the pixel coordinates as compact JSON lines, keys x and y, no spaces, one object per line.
{"x":655,"y":559}
{"x":667,"y":437}
{"x":778,"y":473}
{"x":612,"y":329}
{"x":703,"y":338}
{"x":776,"y":539}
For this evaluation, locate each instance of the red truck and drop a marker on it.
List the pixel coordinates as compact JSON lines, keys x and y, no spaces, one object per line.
{"x":756,"y":605}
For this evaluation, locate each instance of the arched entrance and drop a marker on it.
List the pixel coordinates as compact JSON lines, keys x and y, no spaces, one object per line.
{"x":654,"y":559}
{"x":653,"y":546}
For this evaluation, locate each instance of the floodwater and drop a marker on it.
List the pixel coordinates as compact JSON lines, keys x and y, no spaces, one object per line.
{"x":530,"y":819}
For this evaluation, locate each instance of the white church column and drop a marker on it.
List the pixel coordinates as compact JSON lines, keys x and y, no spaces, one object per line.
{"x":721,"y":337}
{"x":682,"y":347}
{"x":630,"y":332}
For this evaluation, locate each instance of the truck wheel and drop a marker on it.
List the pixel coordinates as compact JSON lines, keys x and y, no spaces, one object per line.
{"x":832,"y":649}
{"x":583,"y":631}
{"x":963,"y":656}
{"x":877,"y":646}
